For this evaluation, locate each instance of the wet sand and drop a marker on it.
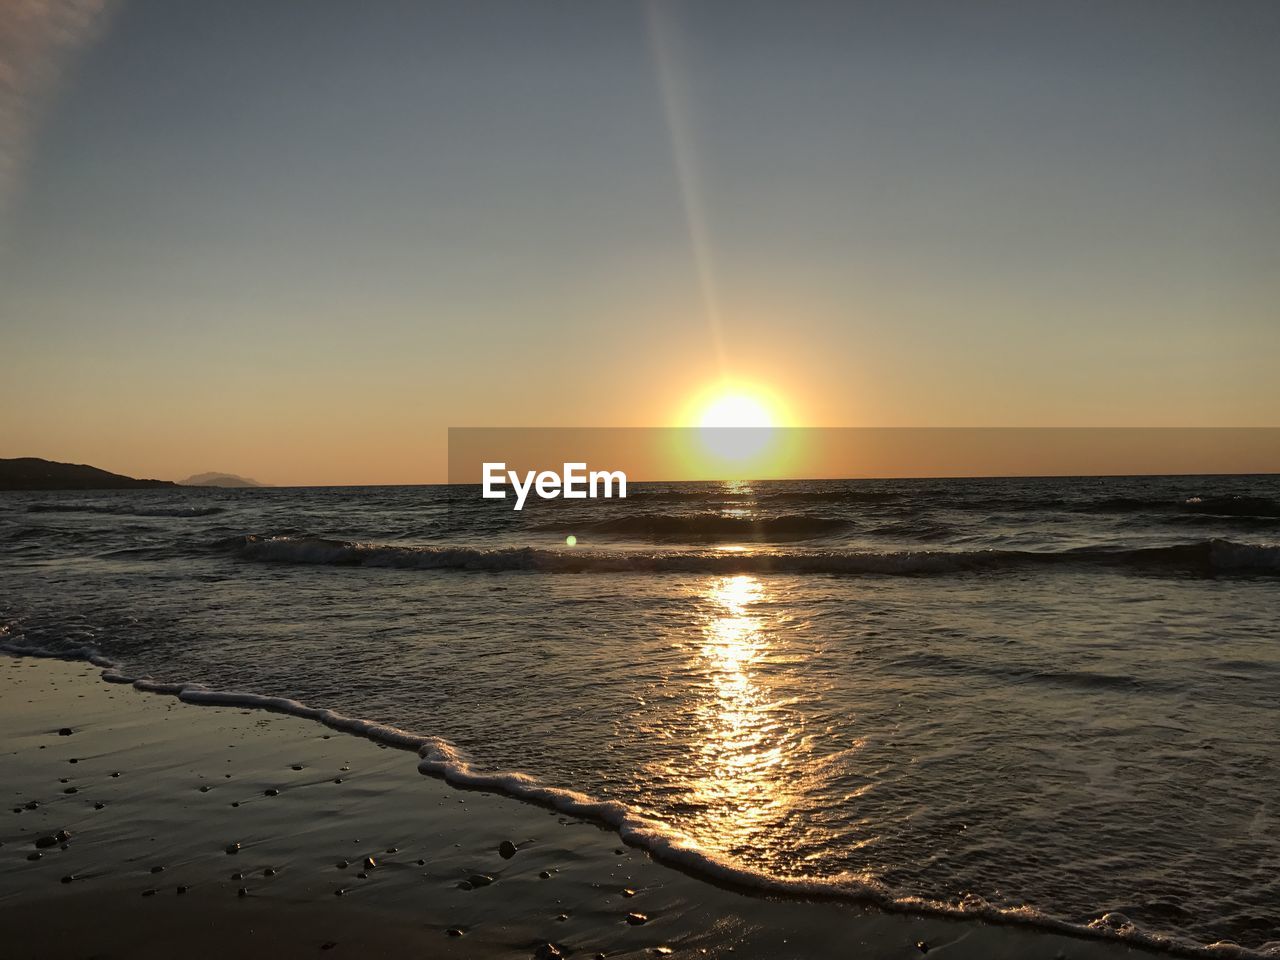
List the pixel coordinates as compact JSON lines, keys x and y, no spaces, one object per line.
{"x":164,"y":829}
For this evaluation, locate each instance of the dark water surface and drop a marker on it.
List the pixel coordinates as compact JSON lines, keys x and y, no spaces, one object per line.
{"x":1059,"y":698}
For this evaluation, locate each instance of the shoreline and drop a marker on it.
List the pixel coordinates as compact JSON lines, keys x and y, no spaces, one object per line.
{"x":220,"y":773}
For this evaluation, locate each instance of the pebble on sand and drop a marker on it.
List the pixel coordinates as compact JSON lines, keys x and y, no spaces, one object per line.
{"x":547,"y":951}
{"x":242,"y":892}
{"x":233,"y":848}
{"x":455,"y":931}
{"x":65,"y":732}
{"x":636,"y":919}
{"x":271,"y":792}
{"x":370,"y":863}
{"x":507,"y":850}
{"x":480,"y":879}
{"x":922,"y":946}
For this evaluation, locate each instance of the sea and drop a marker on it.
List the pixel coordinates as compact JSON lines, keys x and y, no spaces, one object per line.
{"x":1043,"y":701}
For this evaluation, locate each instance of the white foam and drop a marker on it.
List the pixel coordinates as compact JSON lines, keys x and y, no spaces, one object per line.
{"x":439,"y":758}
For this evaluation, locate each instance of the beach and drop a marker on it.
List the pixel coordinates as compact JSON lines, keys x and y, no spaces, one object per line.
{"x":152,"y":792}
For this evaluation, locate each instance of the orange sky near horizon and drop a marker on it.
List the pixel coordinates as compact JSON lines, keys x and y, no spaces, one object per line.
{"x":372,"y":443}
{"x":306,"y":255}
{"x":780,"y":453}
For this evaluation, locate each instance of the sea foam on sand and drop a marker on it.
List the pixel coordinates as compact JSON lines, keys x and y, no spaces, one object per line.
{"x":163,"y":791}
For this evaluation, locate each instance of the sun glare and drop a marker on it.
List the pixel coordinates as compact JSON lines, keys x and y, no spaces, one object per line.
{"x":736,"y":425}
{"x":735,"y":404}
{"x":736,"y":410}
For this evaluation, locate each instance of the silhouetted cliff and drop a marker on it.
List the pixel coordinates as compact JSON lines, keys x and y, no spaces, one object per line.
{"x":32,"y":473}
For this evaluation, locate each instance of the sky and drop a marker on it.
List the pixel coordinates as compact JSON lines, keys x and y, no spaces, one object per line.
{"x":299,"y":240}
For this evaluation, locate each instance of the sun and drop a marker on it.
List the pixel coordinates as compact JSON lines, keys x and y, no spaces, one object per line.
{"x":735,"y":404}
{"x":736,"y":410}
{"x":735,"y":429}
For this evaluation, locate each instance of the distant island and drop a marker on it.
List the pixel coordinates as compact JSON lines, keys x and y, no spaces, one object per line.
{"x":219,"y":480}
{"x":32,"y":473}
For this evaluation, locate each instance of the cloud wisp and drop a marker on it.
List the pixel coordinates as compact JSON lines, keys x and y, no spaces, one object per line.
{"x":37,"y":38}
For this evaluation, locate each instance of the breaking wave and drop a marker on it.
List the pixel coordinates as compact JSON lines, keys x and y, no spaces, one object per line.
{"x":1201,"y":558}
{"x":709,"y":526}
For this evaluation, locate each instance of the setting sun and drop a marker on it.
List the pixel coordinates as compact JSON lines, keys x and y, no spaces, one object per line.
{"x":736,"y":410}
{"x":735,"y":429}
{"x":735,"y":404}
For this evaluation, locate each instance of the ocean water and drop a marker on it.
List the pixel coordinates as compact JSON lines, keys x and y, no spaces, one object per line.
{"x":1053,"y":700}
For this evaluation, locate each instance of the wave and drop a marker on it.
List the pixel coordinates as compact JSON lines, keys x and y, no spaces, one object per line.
{"x":440,"y":758}
{"x":1021,"y":673}
{"x":1217,"y":506}
{"x":708,"y":526}
{"x":124,"y":511}
{"x":836,"y":496}
{"x":1233,"y":506}
{"x":1223,"y":505}
{"x":1202,"y":558}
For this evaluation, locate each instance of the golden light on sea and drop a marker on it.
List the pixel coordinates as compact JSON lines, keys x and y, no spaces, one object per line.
{"x":737,"y":767}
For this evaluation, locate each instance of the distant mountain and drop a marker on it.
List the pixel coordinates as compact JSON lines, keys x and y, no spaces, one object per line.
{"x":32,"y":473}
{"x":219,"y":480}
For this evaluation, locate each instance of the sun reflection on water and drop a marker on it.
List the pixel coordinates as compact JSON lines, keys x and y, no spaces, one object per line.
{"x":741,"y":744}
